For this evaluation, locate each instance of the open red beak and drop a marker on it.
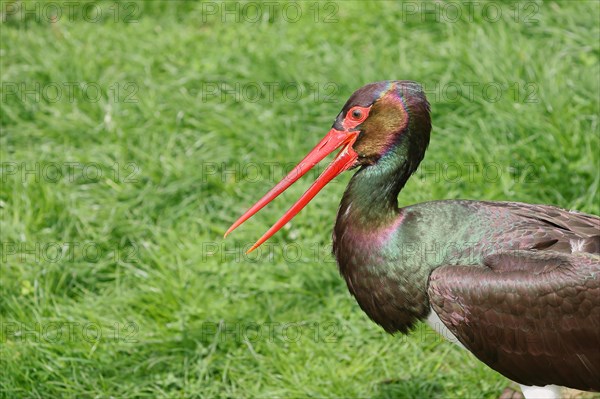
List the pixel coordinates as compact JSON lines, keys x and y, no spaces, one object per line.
{"x":343,"y":161}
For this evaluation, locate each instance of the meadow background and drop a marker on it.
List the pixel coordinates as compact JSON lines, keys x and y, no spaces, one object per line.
{"x":134,"y":133}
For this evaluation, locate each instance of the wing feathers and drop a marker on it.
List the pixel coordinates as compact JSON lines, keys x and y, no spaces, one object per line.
{"x":532,"y":316}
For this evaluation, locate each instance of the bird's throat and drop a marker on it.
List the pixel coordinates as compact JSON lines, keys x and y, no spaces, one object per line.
{"x":370,"y":201}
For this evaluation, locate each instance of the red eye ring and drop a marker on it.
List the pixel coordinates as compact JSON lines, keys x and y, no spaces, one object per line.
{"x":355,"y":116}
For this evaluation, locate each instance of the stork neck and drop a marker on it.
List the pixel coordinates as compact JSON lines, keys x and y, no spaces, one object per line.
{"x":388,"y":291}
{"x":371,"y":198}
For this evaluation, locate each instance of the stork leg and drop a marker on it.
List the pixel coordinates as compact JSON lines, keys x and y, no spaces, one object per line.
{"x":547,"y":392}
{"x":510,"y":393}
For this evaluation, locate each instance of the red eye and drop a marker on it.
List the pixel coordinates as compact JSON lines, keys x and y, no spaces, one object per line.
{"x":357,"y":115}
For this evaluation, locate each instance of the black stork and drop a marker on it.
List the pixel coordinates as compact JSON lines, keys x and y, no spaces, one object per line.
{"x":516,"y":284}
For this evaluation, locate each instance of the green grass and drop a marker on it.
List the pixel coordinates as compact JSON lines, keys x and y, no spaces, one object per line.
{"x":181,"y":312}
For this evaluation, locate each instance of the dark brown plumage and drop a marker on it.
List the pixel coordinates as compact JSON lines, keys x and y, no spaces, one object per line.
{"x":540,"y":322}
